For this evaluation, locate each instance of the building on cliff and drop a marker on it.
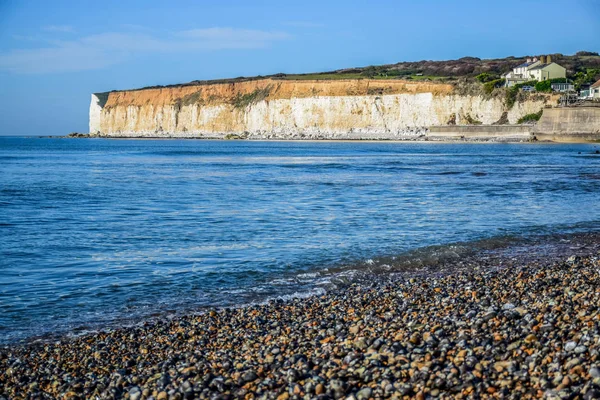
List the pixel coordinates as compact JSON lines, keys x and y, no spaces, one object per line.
{"x":562,"y":87}
{"x":541,"y":69}
{"x":590,"y":91}
{"x":595,"y":90}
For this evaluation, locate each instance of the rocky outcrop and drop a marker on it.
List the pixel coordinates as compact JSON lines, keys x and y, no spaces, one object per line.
{"x":295,"y":109}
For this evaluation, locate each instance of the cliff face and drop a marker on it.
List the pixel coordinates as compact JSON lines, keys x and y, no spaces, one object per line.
{"x":268,"y":108}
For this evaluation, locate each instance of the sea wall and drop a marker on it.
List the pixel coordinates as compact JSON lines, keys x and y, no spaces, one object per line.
{"x":569,"y":124}
{"x":482,"y":132}
{"x":270,"y":108}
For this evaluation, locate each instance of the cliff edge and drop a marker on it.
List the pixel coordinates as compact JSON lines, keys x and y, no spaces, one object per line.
{"x":300,"y":109}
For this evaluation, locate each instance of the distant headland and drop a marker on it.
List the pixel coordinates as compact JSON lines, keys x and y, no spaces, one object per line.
{"x":543,"y":97}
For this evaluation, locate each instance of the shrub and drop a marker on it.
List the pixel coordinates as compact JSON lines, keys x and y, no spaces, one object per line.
{"x":543,"y":86}
{"x":472,"y":121}
{"x":485,"y":77}
{"x":489,"y":87}
{"x":528,"y":83}
{"x":244,"y":100}
{"x":590,"y":75}
{"x":511,"y":96}
{"x":531,"y":117}
{"x":546,"y":86}
{"x":192,"y":98}
{"x":513,"y":91}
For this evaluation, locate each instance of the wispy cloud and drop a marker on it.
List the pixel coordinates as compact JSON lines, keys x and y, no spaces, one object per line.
{"x":26,"y":38}
{"x":101,"y":50}
{"x":58,"y":28}
{"x":229,"y":38}
{"x":303,"y":24}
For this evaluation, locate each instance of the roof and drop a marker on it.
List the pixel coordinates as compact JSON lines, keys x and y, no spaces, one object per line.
{"x":541,"y":66}
{"x":597,"y":84}
{"x":525,"y":64}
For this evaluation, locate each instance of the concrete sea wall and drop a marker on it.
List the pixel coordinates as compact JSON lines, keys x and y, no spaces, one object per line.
{"x":569,"y":124}
{"x":481,"y":132}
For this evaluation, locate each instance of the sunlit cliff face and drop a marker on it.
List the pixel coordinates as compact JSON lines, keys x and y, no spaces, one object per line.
{"x":285,"y":108}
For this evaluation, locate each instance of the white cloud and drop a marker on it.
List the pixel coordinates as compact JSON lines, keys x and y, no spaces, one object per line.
{"x":75,"y":57}
{"x":58,"y":28}
{"x":101,"y":50}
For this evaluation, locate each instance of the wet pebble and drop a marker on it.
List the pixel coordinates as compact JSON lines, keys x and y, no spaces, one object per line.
{"x":527,"y":331}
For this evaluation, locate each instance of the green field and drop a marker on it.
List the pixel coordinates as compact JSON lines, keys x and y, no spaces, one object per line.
{"x":337,"y":76}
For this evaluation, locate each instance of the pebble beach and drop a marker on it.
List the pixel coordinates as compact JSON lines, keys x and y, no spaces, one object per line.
{"x":530,"y":329}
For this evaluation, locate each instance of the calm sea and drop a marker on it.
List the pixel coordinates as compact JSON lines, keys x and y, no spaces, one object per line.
{"x":99,"y":232}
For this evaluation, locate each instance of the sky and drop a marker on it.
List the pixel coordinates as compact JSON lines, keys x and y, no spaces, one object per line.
{"x":54,"y":54}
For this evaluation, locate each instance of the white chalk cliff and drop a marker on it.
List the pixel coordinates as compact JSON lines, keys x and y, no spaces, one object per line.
{"x":269,"y":108}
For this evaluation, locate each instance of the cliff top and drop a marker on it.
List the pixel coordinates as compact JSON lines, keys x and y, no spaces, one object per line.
{"x":582,"y":66}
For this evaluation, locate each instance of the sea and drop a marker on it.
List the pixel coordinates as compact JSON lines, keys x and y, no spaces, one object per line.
{"x":99,"y":233}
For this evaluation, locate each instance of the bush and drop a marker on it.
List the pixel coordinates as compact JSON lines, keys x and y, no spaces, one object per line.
{"x":546,"y":86}
{"x":511,"y":96}
{"x":472,"y":121}
{"x":513,"y":91}
{"x":489,"y":87}
{"x":590,"y":75}
{"x":486,"y":77}
{"x":245,"y":100}
{"x":528,"y":83}
{"x":531,"y":117}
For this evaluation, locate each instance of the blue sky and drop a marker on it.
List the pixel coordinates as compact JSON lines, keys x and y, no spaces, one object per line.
{"x":53,"y":54}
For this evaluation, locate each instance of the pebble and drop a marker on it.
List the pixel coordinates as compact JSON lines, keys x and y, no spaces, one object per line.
{"x":364,"y":394}
{"x":320,"y":389}
{"x":250,"y":376}
{"x":570,"y":346}
{"x":454,"y":335}
{"x":162,"y":396}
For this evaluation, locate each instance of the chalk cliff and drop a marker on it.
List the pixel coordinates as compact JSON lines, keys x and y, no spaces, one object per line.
{"x":294,"y":109}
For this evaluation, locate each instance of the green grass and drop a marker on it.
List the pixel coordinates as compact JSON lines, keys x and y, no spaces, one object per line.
{"x":472,"y":121}
{"x":192,"y":98}
{"x":244,"y":100}
{"x":428,"y":78}
{"x":323,"y":77}
{"x":531,"y":117}
{"x":334,"y":76}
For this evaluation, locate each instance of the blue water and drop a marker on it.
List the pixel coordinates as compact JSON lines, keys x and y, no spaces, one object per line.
{"x":94,"y":232}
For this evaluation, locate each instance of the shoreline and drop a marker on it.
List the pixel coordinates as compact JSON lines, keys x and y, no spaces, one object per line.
{"x":428,"y":261}
{"x":422,"y":139}
{"x":522,"y":322}
{"x":431,"y":140}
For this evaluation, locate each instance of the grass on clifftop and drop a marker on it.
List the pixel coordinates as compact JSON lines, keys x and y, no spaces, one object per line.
{"x":337,"y":76}
{"x":582,"y":66}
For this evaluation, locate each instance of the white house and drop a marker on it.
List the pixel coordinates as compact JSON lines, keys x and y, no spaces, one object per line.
{"x":595,"y":90}
{"x":547,"y":71}
{"x":535,"y":70}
